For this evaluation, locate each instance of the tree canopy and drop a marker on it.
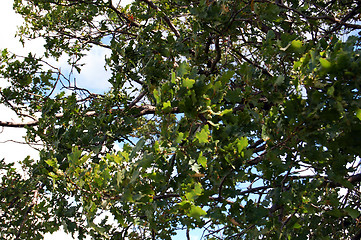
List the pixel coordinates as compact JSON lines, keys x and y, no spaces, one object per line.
{"x":241,"y":118}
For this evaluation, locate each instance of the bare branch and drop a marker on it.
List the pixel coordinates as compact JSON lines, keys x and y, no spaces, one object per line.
{"x":340,"y":22}
{"x":143,"y":110}
{"x":18,"y":125}
{"x":137,"y":99}
{"x":122,"y":15}
{"x":171,"y":195}
{"x":165,"y":17}
{"x":254,"y":190}
{"x":239,"y":54}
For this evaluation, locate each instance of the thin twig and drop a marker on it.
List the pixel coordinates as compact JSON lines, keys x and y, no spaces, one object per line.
{"x":165,"y":17}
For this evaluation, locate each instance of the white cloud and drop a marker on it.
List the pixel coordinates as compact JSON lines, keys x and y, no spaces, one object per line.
{"x":10,"y":150}
{"x":59,"y":235}
{"x":93,"y":75}
{"x":10,"y":22}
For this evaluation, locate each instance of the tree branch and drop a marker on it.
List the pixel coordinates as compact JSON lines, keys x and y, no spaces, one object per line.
{"x":340,"y":22}
{"x":143,"y":110}
{"x":122,"y":15}
{"x":137,"y":99}
{"x":165,"y":17}
{"x":253,"y":190}
{"x":29,"y":209}
{"x":264,"y":71}
{"x":355,"y":178}
{"x":218,"y":56}
{"x":171,"y":195}
{"x":18,"y":125}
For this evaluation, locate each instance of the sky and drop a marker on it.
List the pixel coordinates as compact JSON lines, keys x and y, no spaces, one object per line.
{"x":93,"y":76}
{"x":8,"y":26}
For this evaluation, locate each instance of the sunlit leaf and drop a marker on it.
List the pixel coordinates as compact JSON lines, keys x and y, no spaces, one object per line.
{"x":196,"y":212}
{"x":203,"y":135}
{"x":297,"y":44}
{"x":52,"y":162}
{"x":156,"y":95}
{"x":166,"y":106}
{"x":358,"y":114}
{"x":179,"y":137}
{"x":242,"y":143}
{"x":325,"y":63}
{"x":188,"y":83}
{"x":202,"y":160}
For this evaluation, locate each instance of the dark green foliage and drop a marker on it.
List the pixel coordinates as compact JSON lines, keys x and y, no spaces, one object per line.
{"x":242,"y":118}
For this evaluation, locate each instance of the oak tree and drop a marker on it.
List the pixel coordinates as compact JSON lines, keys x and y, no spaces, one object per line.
{"x":241,"y":118}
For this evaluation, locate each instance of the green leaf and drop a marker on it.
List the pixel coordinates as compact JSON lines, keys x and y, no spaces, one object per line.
{"x":182,"y":69}
{"x":297,"y":44}
{"x":167,"y":106}
{"x":137,"y":147}
{"x":225,"y":112}
{"x":120,"y":176}
{"x":74,"y":156}
{"x":185,"y":204}
{"x":97,"y":228}
{"x":53,"y":175}
{"x":52,"y":162}
{"x":202,"y":160}
{"x":325,"y":63}
{"x":135,"y":175}
{"x":180,"y":137}
{"x":330,"y":91}
{"x":270,"y":35}
{"x":242,"y":143}
{"x":358,"y":114}
{"x":334,"y":212}
{"x":202,"y":136}
{"x":280,"y":79}
{"x":198,"y":188}
{"x":196,"y":212}
{"x":264,"y":134}
{"x":297,"y":225}
{"x":227,"y":76}
{"x":188,"y":83}
{"x":173,"y":77}
{"x":354,"y":213}
{"x":156,"y":95}
{"x":194,"y":192}
{"x":190,"y":196}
